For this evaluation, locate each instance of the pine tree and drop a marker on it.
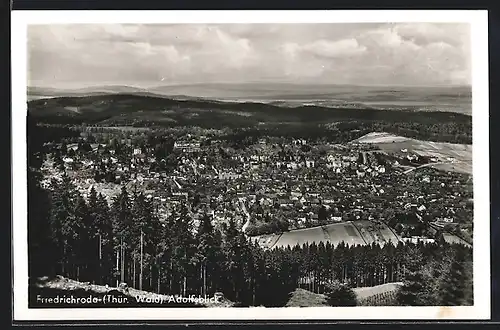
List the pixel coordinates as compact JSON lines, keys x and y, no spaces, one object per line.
{"x":183,"y":249}
{"x":453,"y":283}
{"x":82,"y":240}
{"x":145,"y":246}
{"x":206,"y":252}
{"x":93,"y":210}
{"x":104,"y":224}
{"x":340,"y":294}
{"x":122,"y":230}
{"x":232,"y":248}
{"x":140,"y":220}
{"x":412,"y":292}
{"x":95,"y":236}
{"x":42,"y":253}
{"x":64,"y":232}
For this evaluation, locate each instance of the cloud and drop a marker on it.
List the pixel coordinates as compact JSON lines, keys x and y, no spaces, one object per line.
{"x":328,"y":49}
{"x":188,"y":53}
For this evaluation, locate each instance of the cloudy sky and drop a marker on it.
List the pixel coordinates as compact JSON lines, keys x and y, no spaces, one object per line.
{"x":142,"y":55}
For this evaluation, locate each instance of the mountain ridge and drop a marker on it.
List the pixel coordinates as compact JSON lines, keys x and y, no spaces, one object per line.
{"x":186,"y":101}
{"x":287,"y":95}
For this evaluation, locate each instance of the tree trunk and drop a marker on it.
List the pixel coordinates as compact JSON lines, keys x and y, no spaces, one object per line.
{"x":123,"y":263}
{"x":117,"y":266}
{"x":204,"y":279}
{"x":170,"y":274}
{"x":141,"y":265}
{"x":100,"y":261}
{"x":151,"y":276}
{"x":134,"y":274}
{"x":253,"y":290}
{"x":159,"y":278}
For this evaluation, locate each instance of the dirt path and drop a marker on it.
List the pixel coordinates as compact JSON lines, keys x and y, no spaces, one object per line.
{"x":428,"y":165}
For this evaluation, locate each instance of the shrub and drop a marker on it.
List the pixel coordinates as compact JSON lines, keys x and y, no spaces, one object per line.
{"x":339,"y":294}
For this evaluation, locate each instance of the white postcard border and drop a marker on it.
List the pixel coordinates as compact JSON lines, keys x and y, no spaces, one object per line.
{"x":481,"y":255}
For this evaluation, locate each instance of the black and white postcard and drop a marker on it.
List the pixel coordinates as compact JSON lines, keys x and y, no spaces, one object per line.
{"x":250,"y":165}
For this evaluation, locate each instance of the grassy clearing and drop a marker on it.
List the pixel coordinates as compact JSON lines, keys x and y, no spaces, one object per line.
{"x":61,"y":286}
{"x":449,"y":156}
{"x":380,"y":295}
{"x":347,"y":232}
{"x":366,"y":292}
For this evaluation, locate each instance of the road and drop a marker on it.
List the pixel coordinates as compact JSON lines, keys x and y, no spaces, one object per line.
{"x":176,"y":183}
{"x":244,"y":208}
{"x":427,"y":165}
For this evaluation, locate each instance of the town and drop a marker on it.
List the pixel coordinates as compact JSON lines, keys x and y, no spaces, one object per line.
{"x":268,"y":184}
{"x":271,"y":165}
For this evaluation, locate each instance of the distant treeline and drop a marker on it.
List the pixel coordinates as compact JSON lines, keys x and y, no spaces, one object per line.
{"x":338,"y":124}
{"x":347,"y":131}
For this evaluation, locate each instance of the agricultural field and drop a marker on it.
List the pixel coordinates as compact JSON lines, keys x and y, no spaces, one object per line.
{"x":453,"y":239}
{"x":380,"y":295}
{"x":366,"y":292}
{"x":375,"y":232}
{"x":351,"y":233}
{"x":447,"y":156}
{"x":266,"y":241}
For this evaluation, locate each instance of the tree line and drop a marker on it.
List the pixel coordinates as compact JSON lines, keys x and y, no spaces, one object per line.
{"x":89,"y":240}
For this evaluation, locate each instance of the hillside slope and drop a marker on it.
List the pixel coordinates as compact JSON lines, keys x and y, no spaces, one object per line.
{"x":343,"y":123}
{"x":445,"y":156}
{"x":63,"y":287}
{"x":380,"y":295}
{"x":350,"y":232}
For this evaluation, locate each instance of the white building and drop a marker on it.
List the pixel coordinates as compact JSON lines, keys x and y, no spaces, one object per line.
{"x":418,"y":239}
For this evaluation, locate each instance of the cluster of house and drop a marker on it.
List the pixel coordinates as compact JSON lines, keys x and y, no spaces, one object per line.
{"x":291,"y":184}
{"x":188,"y":146}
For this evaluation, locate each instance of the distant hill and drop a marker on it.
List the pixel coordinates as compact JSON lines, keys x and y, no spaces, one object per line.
{"x":60,"y":92}
{"x":145,"y":109}
{"x":35,"y":93}
{"x":449,"y":99}
{"x":143,"y":101}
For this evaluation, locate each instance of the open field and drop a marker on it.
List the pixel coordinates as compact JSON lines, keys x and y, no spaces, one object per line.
{"x":380,"y":295}
{"x":375,"y":232}
{"x":448,"y":156}
{"x":366,"y":292}
{"x":351,"y":233}
{"x":453,"y":239}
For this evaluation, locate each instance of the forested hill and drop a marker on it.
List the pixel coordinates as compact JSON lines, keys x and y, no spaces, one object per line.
{"x":149,"y":110}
